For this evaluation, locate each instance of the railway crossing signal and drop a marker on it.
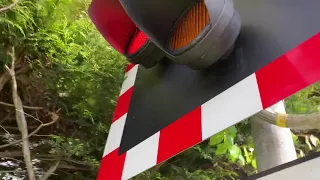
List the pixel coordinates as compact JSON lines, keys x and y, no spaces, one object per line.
{"x":168,"y":107}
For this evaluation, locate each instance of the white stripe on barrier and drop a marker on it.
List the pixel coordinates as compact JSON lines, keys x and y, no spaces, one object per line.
{"x":115,"y":135}
{"x":228,"y":108}
{"x":129,"y":80}
{"x":141,"y":157}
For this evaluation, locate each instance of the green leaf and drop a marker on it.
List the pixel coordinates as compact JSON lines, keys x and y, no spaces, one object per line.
{"x":229,"y":141}
{"x":221,"y":149}
{"x":216,"y":139}
{"x":241,"y":160}
{"x":295,"y":139}
{"x":234,"y":152}
{"x":254,"y":163}
{"x":232,"y":131}
{"x":176,"y":168}
{"x":247,"y":155}
{"x":13,"y":25}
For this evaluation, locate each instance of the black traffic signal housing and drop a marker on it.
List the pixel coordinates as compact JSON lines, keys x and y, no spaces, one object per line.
{"x":197,"y":33}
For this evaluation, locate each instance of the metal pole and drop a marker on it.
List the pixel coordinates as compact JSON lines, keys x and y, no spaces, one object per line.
{"x":273,"y":145}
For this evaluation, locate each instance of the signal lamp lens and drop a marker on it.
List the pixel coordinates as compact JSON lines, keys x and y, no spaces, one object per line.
{"x":137,"y":42}
{"x":190,"y":26}
{"x":113,"y":23}
{"x":119,"y":30}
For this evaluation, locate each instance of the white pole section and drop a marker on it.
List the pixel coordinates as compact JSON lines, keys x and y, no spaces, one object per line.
{"x":273,"y":145}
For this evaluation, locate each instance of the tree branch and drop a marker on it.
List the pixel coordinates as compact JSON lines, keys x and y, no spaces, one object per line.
{"x":79,"y":165}
{"x":4,"y":78}
{"x":302,"y":122}
{"x":54,"y":117}
{"x":66,"y":166}
{"x":9,"y":7}
{"x":20,"y":118}
{"x":50,"y":171}
{"x":11,"y":154}
{"x":5,"y":129}
{"x":16,"y":128}
{"x":26,"y":107}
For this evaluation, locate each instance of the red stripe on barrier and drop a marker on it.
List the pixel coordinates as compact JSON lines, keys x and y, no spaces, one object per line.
{"x":123,"y":104}
{"x":111,"y":166}
{"x":129,"y":67}
{"x":180,"y":135}
{"x":290,"y":73}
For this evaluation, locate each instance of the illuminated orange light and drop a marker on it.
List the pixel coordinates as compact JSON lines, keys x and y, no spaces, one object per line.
{"x":190,"y":26}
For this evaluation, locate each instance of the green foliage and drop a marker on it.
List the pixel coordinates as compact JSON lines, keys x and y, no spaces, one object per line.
{"x":224,"y":142}
{"x":72,"y":68}
{"x":305,"y":102}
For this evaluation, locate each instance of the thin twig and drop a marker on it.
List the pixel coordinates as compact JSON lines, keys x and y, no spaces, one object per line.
{"x":16,"y":128}
{"x":4,"y":78}
{"x":54,"y":119}
{"x":26,"y":107}
{"x":50,"y":171}
{"x":44,"y":157}
{"x":70,"y":167}
{"x":70,"y":174}
{"x":37,"y":135}
{"x":11,"y":154}
{"x":43,"y":135}
{"x":37,"y":115}
{"x":9,"y":7}
{"x":30,"y":116}
{"x":5,"y":129}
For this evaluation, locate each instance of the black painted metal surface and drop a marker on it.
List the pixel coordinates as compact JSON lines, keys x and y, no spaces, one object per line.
{"x":166,"y":92}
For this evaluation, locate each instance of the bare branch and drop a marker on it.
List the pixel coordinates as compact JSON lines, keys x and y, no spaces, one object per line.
{"x":4,"y":78}
{"x":11,"y":154}
{"x":10,"y":6}
{"x":303,"y":122}
{"x":37,"y":119}
{"x":54,"y":119}
{"x":5,"y":129}
{"x":82,"y":166}
{"x":16,"y":128}
{"x":76,"y":168}
{"x":26,"y":107}
{"x":20,"y":118}
{"x":50,"y":171}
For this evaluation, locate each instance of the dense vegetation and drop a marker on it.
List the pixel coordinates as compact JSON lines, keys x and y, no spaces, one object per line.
{"x":64,"y":66}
